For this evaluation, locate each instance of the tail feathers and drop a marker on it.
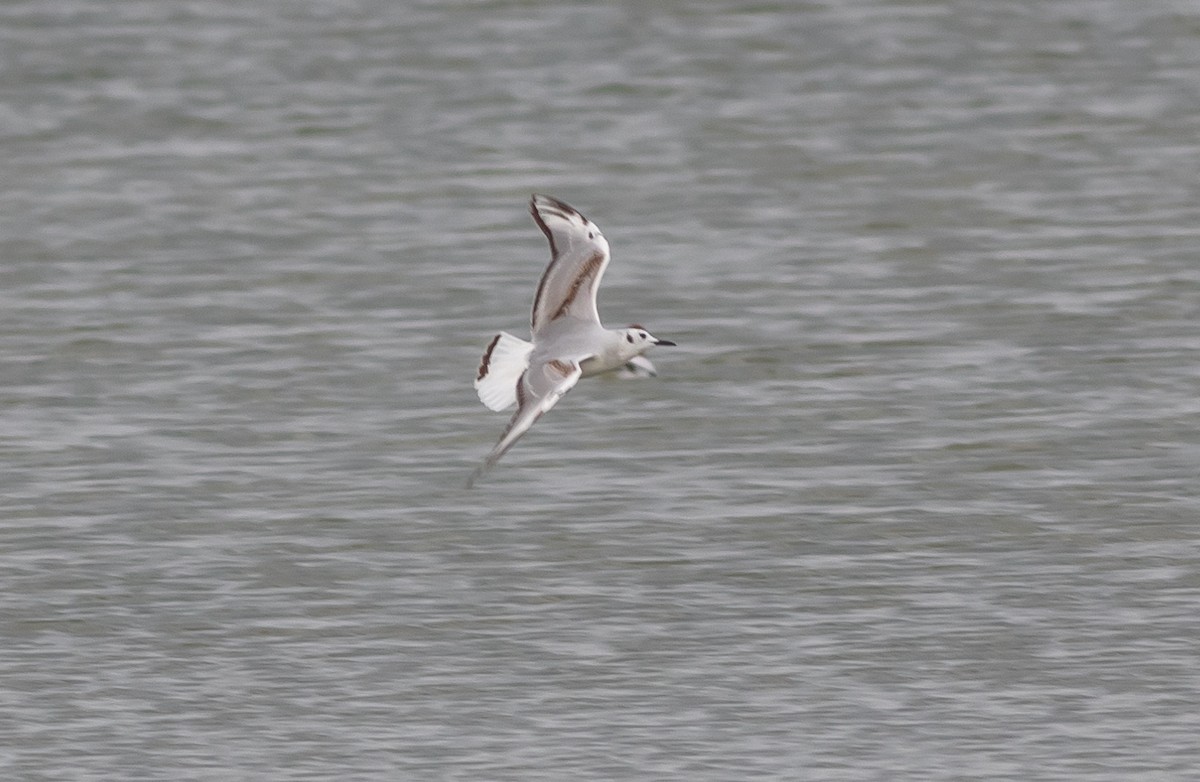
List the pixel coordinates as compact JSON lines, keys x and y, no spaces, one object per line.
{"x":505,"y":359}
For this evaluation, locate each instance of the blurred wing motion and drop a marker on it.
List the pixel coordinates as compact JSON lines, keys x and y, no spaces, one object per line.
{"x":638,"y":366}
{"x":538,"y":389}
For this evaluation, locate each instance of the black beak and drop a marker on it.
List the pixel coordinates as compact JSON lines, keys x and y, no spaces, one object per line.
{"x":666,"y":342}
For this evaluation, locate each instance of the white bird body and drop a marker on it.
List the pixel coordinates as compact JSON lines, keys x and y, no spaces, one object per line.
{"x":601,"y":349}
{"x":568,"y":340}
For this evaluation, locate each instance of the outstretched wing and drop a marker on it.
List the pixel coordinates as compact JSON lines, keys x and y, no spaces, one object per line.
{"x":578,"y":256}
{"x":542,"y":385}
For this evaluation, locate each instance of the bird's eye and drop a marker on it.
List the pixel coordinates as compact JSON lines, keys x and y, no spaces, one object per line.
{"x":643,"y":335}
{"x":591,"y":235}
{"x":629,"y":338}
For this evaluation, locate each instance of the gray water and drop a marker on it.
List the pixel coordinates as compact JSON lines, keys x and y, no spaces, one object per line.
{"x":915,"y":498}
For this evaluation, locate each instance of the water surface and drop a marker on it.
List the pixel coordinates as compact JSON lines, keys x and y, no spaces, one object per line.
{"x":915,"y":498}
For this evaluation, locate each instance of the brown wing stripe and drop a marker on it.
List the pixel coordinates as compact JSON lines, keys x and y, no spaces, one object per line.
{"x":537,"y":218}
{"x":487,"y":358}
{"x":590,"y":267}
{"x":520,"y":400}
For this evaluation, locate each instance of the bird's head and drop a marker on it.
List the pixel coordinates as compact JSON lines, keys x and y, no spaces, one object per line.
{"x":635,"y":340}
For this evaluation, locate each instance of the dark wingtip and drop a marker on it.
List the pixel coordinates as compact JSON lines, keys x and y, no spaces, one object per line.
{"x":551,"y":201}
{"x":563,"y":205}
{"x":537,"y":218}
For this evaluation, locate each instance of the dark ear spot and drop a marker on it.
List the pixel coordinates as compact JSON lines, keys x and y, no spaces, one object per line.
{"x":629,"y":338}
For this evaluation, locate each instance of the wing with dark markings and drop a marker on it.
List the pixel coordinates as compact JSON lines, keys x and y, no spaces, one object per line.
{"x":542,"y":385}
{"x":578,"y":256}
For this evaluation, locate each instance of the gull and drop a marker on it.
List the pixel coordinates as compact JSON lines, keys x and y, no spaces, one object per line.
{"x":568,"y":341}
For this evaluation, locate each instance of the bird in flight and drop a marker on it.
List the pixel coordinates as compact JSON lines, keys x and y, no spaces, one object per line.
{"x":568,"y":341}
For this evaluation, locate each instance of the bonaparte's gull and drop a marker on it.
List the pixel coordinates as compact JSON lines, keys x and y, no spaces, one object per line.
{"x":568,"y":340}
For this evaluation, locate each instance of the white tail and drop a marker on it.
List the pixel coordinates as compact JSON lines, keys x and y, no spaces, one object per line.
{"x":504,"y":361}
